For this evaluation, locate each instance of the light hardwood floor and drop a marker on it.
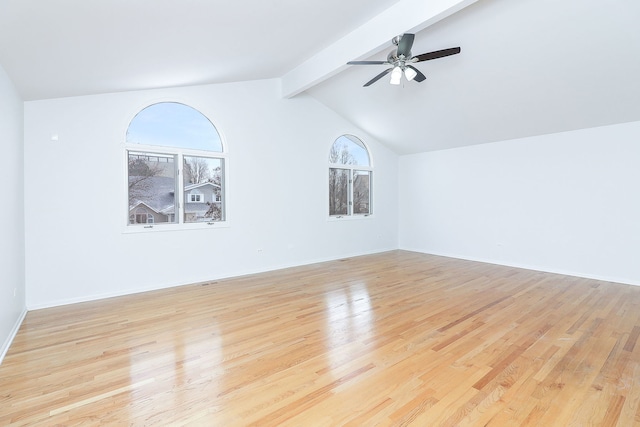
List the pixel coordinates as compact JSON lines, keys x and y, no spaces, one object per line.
{"x":397,"y":338}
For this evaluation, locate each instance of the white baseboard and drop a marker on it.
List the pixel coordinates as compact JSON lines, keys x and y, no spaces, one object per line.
{"x":12,"y":335}
{"x":159,"y":286}
{"x":603,"y":278}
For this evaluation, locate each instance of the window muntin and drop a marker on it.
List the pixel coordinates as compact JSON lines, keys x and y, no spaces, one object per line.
{"x":166,"y":141}
{"x":350,"y":176}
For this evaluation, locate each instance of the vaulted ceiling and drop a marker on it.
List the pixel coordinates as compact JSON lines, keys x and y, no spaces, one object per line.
{"x":527,"y":67}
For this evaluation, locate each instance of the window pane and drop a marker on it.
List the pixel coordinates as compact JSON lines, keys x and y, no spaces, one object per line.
{"x":349,"y":150}
{"x":152,"y":187}
{"x":202,"y":185}
{"x":361,"y":192}
{"x":338,"y":191}
{"x":171,"y":124}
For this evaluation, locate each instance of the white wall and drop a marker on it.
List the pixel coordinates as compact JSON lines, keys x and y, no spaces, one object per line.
{"x":566,"y":203}
{"x":277,"y":194}
{"x":12,"y":282}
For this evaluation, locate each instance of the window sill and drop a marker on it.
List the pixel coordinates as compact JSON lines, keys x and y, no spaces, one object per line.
{"x":152,"y":228}
{"x":339,"y":218}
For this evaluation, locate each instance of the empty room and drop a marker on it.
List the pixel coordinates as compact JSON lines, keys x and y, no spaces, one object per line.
{"x":320,"y":213}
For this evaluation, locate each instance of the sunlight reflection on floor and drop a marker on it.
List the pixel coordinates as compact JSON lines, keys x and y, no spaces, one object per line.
{"x":350,"y":319}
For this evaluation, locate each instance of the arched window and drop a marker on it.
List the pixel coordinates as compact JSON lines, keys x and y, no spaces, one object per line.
{"x":176,"y":166}
{"x":350,"y":178}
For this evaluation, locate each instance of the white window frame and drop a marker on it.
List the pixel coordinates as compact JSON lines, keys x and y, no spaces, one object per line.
{"x":179,"y":154}
{"x":352,"y":169}
{"x":350,"y":214}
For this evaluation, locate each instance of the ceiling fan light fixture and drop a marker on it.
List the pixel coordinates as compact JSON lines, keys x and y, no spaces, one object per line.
{"x":410,"y":73}
{"x":396,"y":75}
{"x":401,"y":60}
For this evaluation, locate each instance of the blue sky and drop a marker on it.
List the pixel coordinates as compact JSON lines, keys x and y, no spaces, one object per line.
{"x":171,"y":124}
{"x":356,"y":148}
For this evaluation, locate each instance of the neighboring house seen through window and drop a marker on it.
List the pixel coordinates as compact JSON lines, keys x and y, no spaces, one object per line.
{"x":350,"y":176}
{"x":175,"y":167}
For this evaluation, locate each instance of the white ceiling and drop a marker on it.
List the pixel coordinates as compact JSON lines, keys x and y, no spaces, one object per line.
{"x":527,"y":67}
{"x":59,"y":48}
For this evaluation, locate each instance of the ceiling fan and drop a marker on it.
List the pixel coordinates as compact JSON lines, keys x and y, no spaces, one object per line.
{"x":401,"y":59}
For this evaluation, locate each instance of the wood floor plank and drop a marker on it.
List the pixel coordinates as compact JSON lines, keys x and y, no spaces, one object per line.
{"x":391,"y":339}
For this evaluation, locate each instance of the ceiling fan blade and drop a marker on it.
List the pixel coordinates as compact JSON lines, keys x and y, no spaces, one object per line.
{"x":438,"y":54}
{"x":419,"y":76}
{"x":405,"y":44}
{"x":378,"y":77}
{"x":366,"y":62}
